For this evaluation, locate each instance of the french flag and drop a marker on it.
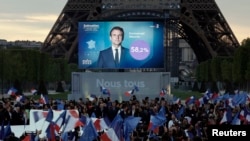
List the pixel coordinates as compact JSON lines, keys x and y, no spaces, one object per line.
{"x":72,"y":120}
{"x":129,"y":93}
{"x":50,"y":131}
{"x":229,"y":102}
{"x":20,"y":98}
{"x":189,"y":119}
{"x":104,"y":90}
{"x":12,"y":91}
{"x":163,"y":92}
{"x":38,"y":115}
{"x":99,"y":124}
{"x":227,"y":116}
{"x":208,"y":94}
{"x":70,"y":124}
{"x":154,"y":124}
{"x":190,"y":100}
{"x":203,"y":100}
{"x":30,"y":137}
{"x":117,"y":125}
{"x":109,"y":135}
{"x":136,"y":88}
{"x":60,"y":121}
{"x":157,"y":120}
{"x":92,"y":97}
{"x":245,"y":115}
{"x":236,"y":119}
{"x":248,"y":118}
{"x":44,"y":99}
{"x":33,"y":91}
{"x":176,"y":100}
{"x":242,"y":114}
{"x":46,"y":124}
{"x":214,"y":96}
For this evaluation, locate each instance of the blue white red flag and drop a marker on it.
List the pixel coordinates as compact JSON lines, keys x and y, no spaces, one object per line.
{"x":33,"y":91}
{"x":60,"y":121}
{"x":236,"y":119}
{"x":104,"y":90}
{"x":227,"y":116}
{"x":92,"y":97}
{"x":38,"y":115}
{"x":12,"y":91}
{"x":99,"y":124}
{"x":129,"y":93}
{"x":176,"y":100}
{"x":117,"y":125}
{"x":190,"y":100}
{"x":72,"y":120}
{"x":208,"y":94}
{"x":109,"y":135}
{"x":245,"y":115}
{"x":163,"y":92}
{"x":20,"y":98}
{"x":203,"y":100}
{"x":157,"y":120}
{"x":136,"y":88}
{"x":44,"y":99}
{"x":50,"y":131}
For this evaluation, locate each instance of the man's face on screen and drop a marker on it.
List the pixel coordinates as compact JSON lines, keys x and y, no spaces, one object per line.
{"x":116,"y":37}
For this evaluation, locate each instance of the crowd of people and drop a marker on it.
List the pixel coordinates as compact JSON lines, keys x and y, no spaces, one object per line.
{"x":184,"y":121}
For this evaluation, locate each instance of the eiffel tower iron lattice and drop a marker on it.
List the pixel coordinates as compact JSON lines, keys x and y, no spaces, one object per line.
{"x":199,"y":22}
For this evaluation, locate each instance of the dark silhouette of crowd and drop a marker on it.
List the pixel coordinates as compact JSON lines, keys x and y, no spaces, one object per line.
{"x":189,"y":125}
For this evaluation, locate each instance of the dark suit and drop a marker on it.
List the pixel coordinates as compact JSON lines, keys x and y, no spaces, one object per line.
{"x":134,"y":113}
{"x":106,"y":59}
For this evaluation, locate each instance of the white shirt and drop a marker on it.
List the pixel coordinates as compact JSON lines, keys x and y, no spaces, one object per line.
{"x":170,"y":123}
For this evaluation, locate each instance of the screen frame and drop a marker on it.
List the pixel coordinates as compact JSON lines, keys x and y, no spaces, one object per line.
{"x":162,"y":48}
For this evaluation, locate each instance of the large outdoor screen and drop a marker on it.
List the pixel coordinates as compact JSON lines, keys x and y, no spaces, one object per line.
{"x":141,"y":43}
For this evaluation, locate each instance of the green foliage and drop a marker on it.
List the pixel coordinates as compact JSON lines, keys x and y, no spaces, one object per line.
{"x":215,"y":69}
{"x":231,"y":70}
{"x":204,"y":71}
{"x":226,"y":70}
{"x":240,"y":64}
{"x":246,"y":43}
{"x":247,"y":75}
{"x":31,"y":66}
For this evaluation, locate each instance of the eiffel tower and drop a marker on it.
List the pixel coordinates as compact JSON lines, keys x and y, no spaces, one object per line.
{"x":199,"y":22}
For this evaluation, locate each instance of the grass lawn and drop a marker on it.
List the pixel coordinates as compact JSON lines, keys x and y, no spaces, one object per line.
{"x":185,"y":94}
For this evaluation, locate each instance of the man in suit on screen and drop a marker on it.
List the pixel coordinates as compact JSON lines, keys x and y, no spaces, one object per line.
{"x":115,"y":56}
